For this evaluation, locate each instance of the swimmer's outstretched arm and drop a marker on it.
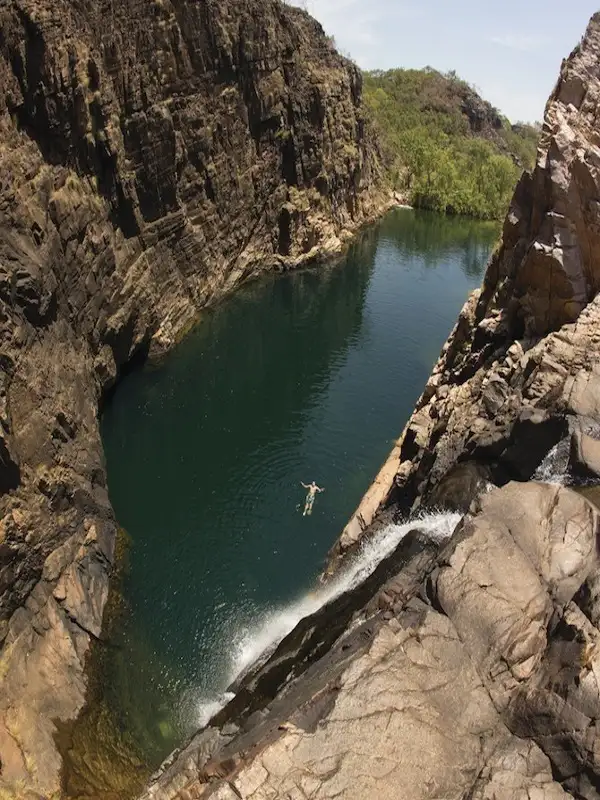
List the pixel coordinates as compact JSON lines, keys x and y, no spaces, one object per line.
{"x":319,"y":489}
{"x":303,"y":484}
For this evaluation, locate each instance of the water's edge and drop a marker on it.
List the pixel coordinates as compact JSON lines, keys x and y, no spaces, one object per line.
{"x":264,"y":636}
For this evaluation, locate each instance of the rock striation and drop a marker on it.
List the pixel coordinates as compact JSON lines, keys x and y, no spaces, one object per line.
{"x":472,"y":672}
{"x":154,"y":153}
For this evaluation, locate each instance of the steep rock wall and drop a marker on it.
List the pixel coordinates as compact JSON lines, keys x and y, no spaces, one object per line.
{"x":153,"y":153}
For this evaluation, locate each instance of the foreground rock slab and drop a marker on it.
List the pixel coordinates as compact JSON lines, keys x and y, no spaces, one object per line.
{"x":439,"y":694}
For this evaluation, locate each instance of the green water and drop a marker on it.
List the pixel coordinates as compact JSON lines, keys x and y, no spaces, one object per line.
{"x":309,"y":375}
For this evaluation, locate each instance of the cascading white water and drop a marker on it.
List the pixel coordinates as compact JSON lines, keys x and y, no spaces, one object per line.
{"x":262,"y":635}
{"x":268,"y":631}
{"x":555,"y":466}
{"x":276,"y":624}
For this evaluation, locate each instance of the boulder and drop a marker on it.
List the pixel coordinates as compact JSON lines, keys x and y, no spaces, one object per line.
{"x":514,"y":567}
{"x":584,"y":458}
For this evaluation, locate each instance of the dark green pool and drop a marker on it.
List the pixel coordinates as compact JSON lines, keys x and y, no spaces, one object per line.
{"x":304,"y":376}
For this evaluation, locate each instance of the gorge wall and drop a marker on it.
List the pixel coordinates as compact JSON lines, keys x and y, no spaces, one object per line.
{"x":153,"y":154}
{"x":472,"y":672}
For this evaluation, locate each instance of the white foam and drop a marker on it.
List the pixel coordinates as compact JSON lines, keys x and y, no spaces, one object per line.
{"x":207,"y":709}
{"x":274,"y":626}
{"x":555,"y":466}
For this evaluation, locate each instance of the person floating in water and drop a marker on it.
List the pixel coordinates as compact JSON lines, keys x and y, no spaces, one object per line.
{"x":310,"y":497}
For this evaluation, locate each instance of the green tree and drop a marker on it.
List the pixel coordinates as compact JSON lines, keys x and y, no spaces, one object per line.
{"x":431,"y":152}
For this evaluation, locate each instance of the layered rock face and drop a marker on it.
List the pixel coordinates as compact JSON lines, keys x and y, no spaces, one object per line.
{"x":473,"y":672}
{"x":153,"y":154}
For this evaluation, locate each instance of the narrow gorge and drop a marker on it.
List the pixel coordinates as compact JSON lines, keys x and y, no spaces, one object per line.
{"x":156,"y":154}
{"x":206,"y":452}
{"x":469,"y":671}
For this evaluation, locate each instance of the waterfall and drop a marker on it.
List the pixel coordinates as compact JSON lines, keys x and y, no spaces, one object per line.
{"x":262,"y":637}
{"x":555,"y":466}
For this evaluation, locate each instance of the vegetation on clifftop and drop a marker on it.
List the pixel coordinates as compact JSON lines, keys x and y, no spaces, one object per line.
{"x":445,"y":147}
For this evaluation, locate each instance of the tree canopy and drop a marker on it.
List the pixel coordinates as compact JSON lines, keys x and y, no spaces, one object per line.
{"x":445,"y":147}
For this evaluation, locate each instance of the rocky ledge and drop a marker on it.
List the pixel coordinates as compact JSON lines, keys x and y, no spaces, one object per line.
{"x":154,"y":153}
{"x":473,"y":672}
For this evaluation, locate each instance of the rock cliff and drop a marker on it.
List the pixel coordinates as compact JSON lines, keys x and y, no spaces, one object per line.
{"x":153,"y":154}
{"x":521,"y":361}
{"x":472,"y":672}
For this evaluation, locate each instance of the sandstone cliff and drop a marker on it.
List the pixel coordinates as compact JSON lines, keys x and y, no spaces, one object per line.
{"x":153,"y":153}
{"x":473,"y":672}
